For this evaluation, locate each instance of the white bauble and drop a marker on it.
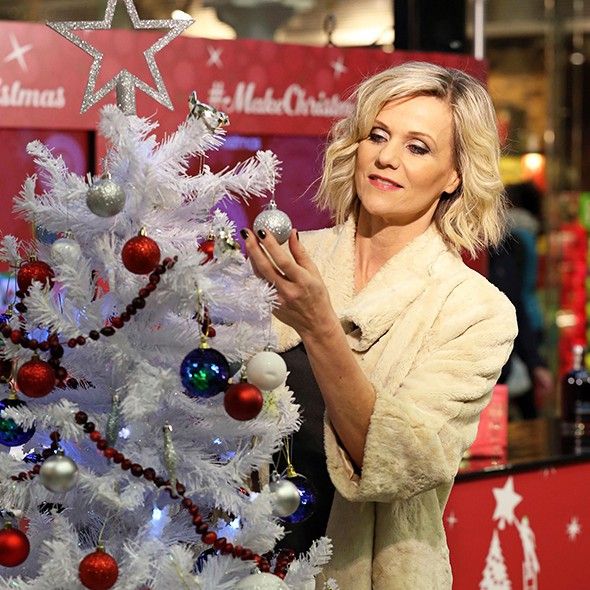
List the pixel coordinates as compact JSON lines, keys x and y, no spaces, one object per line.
{"x":65,"y":249}
{"x":267,"y":370}
{"x":262,"y":581}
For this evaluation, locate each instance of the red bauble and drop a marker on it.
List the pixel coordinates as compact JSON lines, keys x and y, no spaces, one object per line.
{"x":14,"y":546}
{"x":243,"y":401}
{"x":208,"y":248}
{"x":34,"y":270}
{"x":141,"y":255}
{"x":35,"y":378}
{"x":98,"y":570}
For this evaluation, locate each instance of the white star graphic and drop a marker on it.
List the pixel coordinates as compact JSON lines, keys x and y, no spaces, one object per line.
{"x":18,"y":52}
{"x":506,"y":501}
{"x":214,"y":56}
{"x":91,"y":97}
{"x":339,"y":67}
{"x":573,"y":528}
{"x":452,"y":520}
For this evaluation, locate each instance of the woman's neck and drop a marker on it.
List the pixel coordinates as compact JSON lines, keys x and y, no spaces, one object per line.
{"x":377,"y":241}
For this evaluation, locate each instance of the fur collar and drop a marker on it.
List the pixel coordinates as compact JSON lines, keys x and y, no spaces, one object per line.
{"x":367,"y":315}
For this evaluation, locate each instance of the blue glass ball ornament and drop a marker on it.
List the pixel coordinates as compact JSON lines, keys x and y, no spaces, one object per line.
{"x":204,"y":372}
{"x":11,"y":433}
{"x":32,"y":457}
{"x":307,"y":494}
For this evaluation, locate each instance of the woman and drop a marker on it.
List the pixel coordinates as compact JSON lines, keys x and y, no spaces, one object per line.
{"x":404,"y":341}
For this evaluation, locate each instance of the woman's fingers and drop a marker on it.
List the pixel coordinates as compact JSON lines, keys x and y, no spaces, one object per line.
{"x":262,"y":262}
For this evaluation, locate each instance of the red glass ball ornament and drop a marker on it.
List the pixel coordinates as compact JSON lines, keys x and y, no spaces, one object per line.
{"x":141,"y":255}
{"x":98,"y":570}
{"x":35,"y":378}
{"x":208,"y":248}
{"x":34,"y":270}
{"x":243,"y":401}
{"x":14,"y":546}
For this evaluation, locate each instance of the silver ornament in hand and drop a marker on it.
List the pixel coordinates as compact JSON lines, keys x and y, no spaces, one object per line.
{"x":105,"y":197}
{"x":58,"y":473}
{"x":275,"y":221}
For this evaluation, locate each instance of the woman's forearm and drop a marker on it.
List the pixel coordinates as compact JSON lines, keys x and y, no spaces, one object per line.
{"x":348,"y":395}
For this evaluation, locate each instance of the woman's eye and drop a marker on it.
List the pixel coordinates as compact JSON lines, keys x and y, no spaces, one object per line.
{"x":418,"y":149}
{"x":377,"y":136}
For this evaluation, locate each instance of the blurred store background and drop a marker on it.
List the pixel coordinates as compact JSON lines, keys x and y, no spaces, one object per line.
{"x":536,"y":53}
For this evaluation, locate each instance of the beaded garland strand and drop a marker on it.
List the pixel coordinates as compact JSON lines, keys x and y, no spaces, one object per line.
{"x":56,"y":351}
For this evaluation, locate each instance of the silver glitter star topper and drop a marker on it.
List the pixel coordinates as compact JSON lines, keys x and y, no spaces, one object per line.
{"x":124,"y":81}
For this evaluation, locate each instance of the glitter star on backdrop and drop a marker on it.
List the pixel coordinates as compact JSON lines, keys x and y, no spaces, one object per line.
{"x":92,"y":96}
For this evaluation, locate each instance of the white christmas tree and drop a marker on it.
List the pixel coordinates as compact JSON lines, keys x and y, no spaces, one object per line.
{"x":495,"y":575}
{"x":117,"y":344}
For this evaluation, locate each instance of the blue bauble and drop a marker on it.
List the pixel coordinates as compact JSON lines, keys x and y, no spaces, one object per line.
{"x":32,"y":457}
{"x":204,"y":372}
{"x":11,"y":434}
{"x":307,"y":494}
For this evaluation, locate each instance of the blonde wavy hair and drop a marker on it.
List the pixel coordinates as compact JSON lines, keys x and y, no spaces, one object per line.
{"x":473,"y":216}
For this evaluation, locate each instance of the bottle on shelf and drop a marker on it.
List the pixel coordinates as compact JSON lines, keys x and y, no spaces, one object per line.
{"x":575,"y":406}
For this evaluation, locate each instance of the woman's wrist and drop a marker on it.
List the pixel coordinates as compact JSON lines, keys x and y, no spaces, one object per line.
{"x":323,"y":331}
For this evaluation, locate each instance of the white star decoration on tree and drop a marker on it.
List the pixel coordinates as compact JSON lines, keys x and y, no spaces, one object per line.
{"x":506,"y":501}
{"x":573,"y":528}
{"x":91,"y":97}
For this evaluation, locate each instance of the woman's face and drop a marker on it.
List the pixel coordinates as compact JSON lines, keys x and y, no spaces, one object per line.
{"x":406,"y":162}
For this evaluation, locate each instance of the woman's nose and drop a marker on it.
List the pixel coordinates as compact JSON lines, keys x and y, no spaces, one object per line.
{"x":389,"y":155}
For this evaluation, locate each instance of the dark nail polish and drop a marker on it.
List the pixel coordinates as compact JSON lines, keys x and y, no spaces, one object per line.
{"x":244,"y":234}
{"x":261,"y":234}
{"x":297,"y":234}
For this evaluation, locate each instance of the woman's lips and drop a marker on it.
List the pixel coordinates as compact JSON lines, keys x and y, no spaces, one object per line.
{"x":383,"y":184}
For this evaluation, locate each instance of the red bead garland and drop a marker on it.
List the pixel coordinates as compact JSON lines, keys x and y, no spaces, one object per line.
{"x":202,"y":529}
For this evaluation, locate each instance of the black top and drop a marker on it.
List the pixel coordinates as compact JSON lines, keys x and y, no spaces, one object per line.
{"x":308,"y":455}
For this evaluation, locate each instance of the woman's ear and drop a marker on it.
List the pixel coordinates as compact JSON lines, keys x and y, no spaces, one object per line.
{"x":453,"y":184}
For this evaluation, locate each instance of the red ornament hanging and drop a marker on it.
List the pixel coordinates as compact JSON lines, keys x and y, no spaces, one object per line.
{"x":34,"y":270}
{"x":98,"y":570}
{"x":243,"y":401}
{"x":35,"y":378}
{"x":14,"y":546}
{"x":141,"y":254}
{"x":208,"y":248}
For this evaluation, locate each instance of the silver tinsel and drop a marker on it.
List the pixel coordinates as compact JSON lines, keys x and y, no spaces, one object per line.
{"x":105,"y":197}
{"x":275,"y":221}
{"x":285,"y":498}
{"x":170,"y":456}
{"x":91,"y":97}
{"x":58,"y":473}
{"x":113,"y":421}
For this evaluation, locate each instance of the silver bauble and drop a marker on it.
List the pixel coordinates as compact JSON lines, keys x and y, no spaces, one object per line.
{"x":275,"y":221}
{"x":65,"y":249}
{"x":105,"y":197}
{"x":261,"y":581}
{"x":267,"y":370}
{"x":284,"y":496}
{"x":58,"y":473}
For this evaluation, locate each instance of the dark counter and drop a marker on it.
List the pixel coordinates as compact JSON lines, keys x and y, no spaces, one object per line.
{"x":532,"y":445}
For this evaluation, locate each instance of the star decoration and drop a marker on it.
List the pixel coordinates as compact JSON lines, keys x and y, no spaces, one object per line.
{"x":214,"y":56}
{"x":573,"y":528}
{"x":506,"y":501}
{"x":18,"y":53}
{"x":92,"y":96}
{"x":339,"y":67}
{"x":452,"y":520}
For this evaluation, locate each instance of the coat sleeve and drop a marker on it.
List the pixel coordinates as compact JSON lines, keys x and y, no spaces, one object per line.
{"x":420,"y":428}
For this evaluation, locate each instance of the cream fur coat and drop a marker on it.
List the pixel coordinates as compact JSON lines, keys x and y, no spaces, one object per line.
{"x":431,"y":335}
